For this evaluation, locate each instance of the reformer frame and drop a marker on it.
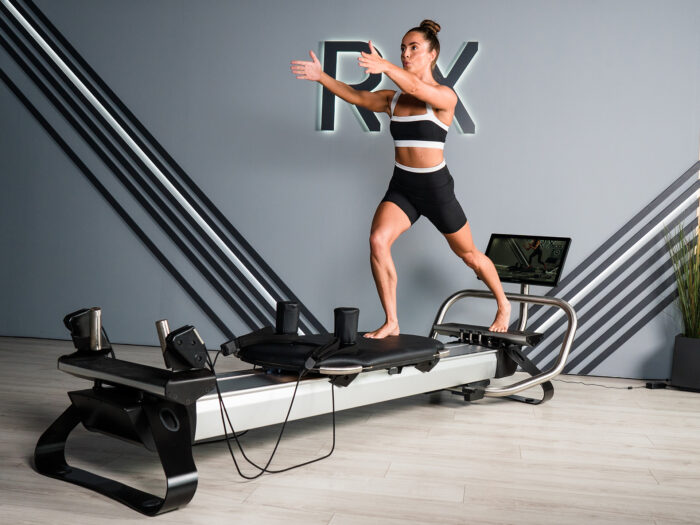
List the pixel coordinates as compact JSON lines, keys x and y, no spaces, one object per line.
{"x":169,"y":411}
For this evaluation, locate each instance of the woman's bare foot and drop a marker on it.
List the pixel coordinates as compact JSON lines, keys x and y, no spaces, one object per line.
{"x":383,"y":331}
{"x":502,"y":320}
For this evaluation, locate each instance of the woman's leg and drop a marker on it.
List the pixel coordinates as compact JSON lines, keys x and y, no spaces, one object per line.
{"x":529,"y":259}
{"x":462,"y":244}
{"x":389,"y":222}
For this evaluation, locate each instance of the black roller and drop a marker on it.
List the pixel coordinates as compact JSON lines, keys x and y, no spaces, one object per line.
{"x":346,"y":324}
{"x":287,"y":320}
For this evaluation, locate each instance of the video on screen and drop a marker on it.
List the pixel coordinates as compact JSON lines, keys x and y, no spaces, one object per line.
{"x":528,"y":259}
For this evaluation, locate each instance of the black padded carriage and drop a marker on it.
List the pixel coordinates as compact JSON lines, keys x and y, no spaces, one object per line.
{"x":343,"y":354}
{"x":370,"y":354}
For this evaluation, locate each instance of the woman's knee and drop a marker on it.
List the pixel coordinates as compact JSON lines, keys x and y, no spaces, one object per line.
{"x":471,"y":259}
{"x":379,"y":241}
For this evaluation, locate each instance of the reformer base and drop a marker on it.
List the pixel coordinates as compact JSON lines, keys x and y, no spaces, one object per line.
{"x":159,"y":425}
{"x":258,"y":399}
{"x":517,"y":356}
{"x":155,"y":408}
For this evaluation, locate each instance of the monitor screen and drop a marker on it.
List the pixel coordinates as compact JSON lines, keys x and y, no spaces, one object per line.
{"x":527,"y":259}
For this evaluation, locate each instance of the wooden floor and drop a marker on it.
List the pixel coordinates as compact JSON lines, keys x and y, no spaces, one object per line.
{"x":591,"y":455}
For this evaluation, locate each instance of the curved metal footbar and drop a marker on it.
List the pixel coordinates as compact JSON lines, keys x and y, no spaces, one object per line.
{"x":524,"y":299}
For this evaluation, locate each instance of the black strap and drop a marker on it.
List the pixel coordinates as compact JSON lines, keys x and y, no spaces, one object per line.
{"x":267,"y":335}
{"x":322,"y":352}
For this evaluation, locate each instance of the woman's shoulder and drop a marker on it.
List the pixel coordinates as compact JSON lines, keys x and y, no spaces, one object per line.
{"x":447,"y":91}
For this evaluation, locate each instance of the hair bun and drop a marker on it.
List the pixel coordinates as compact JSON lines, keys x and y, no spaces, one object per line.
{"x":430,"y":25}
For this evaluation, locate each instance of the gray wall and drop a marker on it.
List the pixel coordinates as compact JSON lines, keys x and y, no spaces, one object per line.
{"x":584,"y":112}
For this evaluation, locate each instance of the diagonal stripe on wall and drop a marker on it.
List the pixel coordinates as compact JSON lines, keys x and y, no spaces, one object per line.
{"x":624,"y":284}
{"x":595,"y":308}
{"x":161,"y":187}
{"x":116,"y":206}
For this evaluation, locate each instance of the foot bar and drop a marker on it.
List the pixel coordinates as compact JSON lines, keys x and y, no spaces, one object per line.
{"x":548,"y":375}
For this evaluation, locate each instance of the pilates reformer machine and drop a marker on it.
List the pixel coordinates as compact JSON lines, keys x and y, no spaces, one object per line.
{"x":168,"y":410}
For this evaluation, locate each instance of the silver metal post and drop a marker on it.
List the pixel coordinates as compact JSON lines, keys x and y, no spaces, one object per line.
{"x":524,"y":290}
{"x":95,"y":328}
{"x":163,"y":330}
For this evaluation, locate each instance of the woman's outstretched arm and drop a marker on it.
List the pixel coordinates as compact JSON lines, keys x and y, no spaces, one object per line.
{"x":440,"y":97}
{"x":377,"y":101}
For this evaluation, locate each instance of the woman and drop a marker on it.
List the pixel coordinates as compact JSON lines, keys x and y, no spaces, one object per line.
{"x":421,"y":112}
{"x":536,"y":247}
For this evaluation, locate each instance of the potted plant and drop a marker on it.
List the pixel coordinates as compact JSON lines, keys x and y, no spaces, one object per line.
{"x":685,"y":255}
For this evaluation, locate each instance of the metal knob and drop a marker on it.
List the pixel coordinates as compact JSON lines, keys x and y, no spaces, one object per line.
{"x":163,"y":330}
{"x":95,"y":328}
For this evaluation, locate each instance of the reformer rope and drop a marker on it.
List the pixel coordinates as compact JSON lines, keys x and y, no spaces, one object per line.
{"x":226,"y":419}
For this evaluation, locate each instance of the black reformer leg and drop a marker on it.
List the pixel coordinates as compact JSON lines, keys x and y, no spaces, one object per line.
{"x":144,"y":405}
{"x":516,"y":354}
{"x":160,"y":425}
{"x":471,"y":391}
{"x":510,"y":357}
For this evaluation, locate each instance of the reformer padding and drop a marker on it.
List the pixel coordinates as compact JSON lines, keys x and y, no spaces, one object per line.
{"x":390,"y":352}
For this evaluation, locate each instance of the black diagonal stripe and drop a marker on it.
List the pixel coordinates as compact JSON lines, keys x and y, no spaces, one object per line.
{"x":629,"y":225}
{"x":117,"y":138}
{"x":615,"y":303}
{"x":649,"y":298}
{"x":190,"y":255}
{"x":668,"y":264}
{"x":167,"y":210}
{"x":214,"y":226}
{"x":118,"y":208}
{"x":630,"y":332}
{"x":617,"y":236}
{"x":626,"y":246}
{"x":181,"y":173}
{"x":233,"y":303}
{"x":605,"y":302}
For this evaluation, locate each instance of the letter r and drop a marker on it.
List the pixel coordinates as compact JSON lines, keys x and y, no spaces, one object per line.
{"x":330,"y":67}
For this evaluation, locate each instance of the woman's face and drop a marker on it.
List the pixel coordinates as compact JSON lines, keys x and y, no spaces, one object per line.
{"x":415,"y":52}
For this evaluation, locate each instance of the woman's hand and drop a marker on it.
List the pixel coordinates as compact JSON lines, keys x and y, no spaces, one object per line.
{"x":371,"y":61}
{"x":307,"y":70}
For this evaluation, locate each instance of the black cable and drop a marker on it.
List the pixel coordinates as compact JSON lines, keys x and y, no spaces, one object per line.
{"x":277,"y":471}
{"x":601,"y":386}
{"x":266,"y":468}
{"x":225,"y":418}
{"x":218,"y":353}
{"x":216,"y":357}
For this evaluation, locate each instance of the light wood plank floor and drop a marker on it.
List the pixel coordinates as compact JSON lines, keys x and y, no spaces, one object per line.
{"x":591,"y":455}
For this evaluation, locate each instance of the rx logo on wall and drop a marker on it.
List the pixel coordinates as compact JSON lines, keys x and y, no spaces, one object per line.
{"x":368,"y":120}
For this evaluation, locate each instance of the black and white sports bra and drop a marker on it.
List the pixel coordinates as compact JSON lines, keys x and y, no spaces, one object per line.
{"x":417,"y":131}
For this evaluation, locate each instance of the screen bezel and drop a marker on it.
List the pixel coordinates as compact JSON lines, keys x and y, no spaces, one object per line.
{"x":567,"y":240}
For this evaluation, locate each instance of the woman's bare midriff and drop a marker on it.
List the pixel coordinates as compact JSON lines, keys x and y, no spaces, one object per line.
{"x":418,"y":157}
